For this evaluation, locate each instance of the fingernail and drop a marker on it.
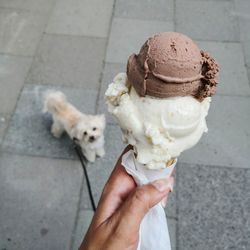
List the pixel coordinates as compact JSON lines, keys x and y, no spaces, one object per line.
{"x":164,"y":184}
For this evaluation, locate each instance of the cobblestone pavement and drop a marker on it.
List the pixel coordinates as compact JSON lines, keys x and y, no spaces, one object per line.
{"x":77,"y":46}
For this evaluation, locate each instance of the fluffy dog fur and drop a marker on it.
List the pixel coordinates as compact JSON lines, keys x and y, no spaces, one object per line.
{"x":86,"y":130}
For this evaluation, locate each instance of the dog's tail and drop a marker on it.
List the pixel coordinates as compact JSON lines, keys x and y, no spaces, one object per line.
{"x":54,"y":102}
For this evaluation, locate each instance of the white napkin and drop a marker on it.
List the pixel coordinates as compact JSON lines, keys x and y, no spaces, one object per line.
{"x":154,"y":229}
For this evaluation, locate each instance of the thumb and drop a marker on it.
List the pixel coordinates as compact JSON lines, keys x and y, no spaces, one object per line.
{"x":140,"y":201}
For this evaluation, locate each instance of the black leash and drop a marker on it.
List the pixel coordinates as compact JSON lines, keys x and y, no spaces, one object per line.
{"x":83,"y":161}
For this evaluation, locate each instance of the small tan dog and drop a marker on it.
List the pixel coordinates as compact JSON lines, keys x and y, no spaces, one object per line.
{"x":86,"y":130}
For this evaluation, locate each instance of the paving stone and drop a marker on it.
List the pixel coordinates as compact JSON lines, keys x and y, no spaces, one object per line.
{"x":84,"y":195}
{"x":213,"y":208}
{"x":84,"y":219}
{"x":242,"y":11}
{"x":172,"y":232}
{"x":248,"y":70}
{"x":147,"y":10}
{"x":227,"y":142}
{"x":233,"y":78}
{"x":217,"y":0}
{"x":68,"y":60}
{"x":81,"y":17}
{"x":37,"y":5}
{"x":39,"y":200}
{"x":170,"y":208}
{"x":13,"y":70}
{"x":4,"y":121}
{"x":122,"y":44}
{"x":246,"y":47}
{"x":29,"y":130}
{"x":110,"y":71}
{"x":245,"y":36}
{"x":20,"y":31}
{"x":209,"y":20}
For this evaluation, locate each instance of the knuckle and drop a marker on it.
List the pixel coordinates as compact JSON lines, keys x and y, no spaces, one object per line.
{"x":129,"y":239}
{"x":118,"y":234}
{"x":141,"y":196}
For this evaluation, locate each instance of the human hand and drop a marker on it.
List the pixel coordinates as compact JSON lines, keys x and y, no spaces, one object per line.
{"x":121,"y":209}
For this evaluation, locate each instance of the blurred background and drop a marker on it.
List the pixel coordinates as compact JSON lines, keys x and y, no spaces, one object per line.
{"x":78,"y":46}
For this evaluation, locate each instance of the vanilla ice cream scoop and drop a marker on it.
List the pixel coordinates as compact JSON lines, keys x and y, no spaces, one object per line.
{"x":159,"y":129}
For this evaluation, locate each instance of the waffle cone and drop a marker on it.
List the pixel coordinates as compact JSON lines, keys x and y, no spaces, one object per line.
{"x":170,"y":162}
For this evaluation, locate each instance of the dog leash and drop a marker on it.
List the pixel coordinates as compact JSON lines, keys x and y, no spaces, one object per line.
{"x":83,"y":161}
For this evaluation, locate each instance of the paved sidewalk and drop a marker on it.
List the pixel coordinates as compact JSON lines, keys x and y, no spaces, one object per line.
{"x":78,"y":46}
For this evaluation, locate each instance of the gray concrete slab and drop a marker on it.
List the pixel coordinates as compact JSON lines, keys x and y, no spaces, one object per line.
{"x":209,"y":20}
{"x":77,"y":17}
{"x":170,"y":208}
{"x":109,"y":72}
{"x":39,"y":200}
{"x":233,"y":78}
{"x":20,"y":31}
{"x":227,"y":142}
{"x":213,"y":208}
{"x":83,"y":222}
{"x":4,"y":121}
{"x":68,"y":60}
{"x":29,"y":130}
{"x":85,"y":203}
{"x":148,"y":10}
{"x":246,"y":48}
{"x":248,"y":70}
{"x":243,"y":14}
{"x":217,"y":0}
{"x":172,"y":223}
{"x":244,"y":25}
{"x":242,"y":11}
{"x":37,"y":5}
{"x":13,"y":70}
{"x":134,"y":33}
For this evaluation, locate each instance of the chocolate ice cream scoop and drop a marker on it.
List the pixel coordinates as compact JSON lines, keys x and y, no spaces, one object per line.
{"x":171,"y":64}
